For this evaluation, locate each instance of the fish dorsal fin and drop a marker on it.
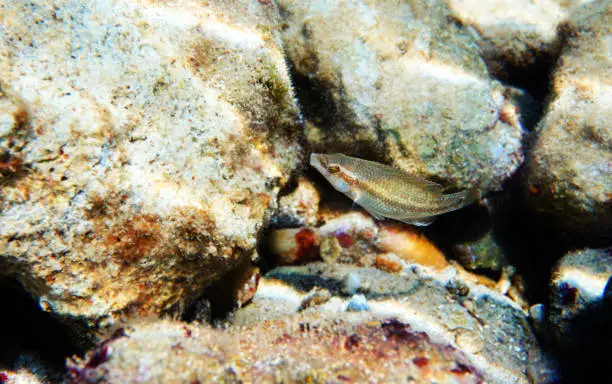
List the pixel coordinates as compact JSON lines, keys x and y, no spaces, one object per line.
{"x":388,"y":171}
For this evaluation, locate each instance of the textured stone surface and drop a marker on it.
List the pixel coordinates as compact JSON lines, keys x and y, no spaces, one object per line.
{"x":487,"y":327}
{"x":481,"y":253}
{"x":578,"y":313}
{"x":141,"y":147}
{"x":302,"y":349}
{"x":514,"y":33}
{"x":299,"y":207}
{"x":399,"y":82}
{"x":570,"y":167}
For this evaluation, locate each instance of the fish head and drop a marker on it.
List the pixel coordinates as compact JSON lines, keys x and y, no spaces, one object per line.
{"x":333,"y":168}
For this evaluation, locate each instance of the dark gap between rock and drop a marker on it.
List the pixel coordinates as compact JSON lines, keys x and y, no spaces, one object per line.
{"x":32,"y":338}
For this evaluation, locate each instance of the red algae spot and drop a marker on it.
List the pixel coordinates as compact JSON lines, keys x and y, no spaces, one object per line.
{"x":307,"y":247}
{"x":3,"y":377}
{"x":99,"y":356}
{"x":352,"y":342}
{"x":187,"y":331}
{"x":304,"y":327}
{"x":117,"y":334}
{"x":535,"y":190}
{"x":344,"y":239}
{"x":421,"y":362}
{"x":135,"y":239}
{"x":461,"y":369}
{"x":10,"y":165}
{"x":568,"y":294}
{"x":285,"y":338}
{"x":395,"y":329}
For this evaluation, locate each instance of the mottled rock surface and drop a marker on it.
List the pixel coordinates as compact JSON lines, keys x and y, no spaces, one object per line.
{"x":514,"y":33}
{"x":299,"y":207}
{"x":578,"y":312}
{"x":487,"y":327}
{"x":141,"y":147}
{"x":402,"y":83}
{"x":303,"y":349}
{"x":570,"y":167}
{"x":481,"y":253}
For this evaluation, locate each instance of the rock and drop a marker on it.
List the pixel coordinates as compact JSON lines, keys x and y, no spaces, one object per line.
{"x":300,"y":207}
{"x":358,"y":303}
{"x":19,"y":377}
{"x":142,"y":147}
{"x":293,"y":246}
{"x":569,"y":177}
{"x":514,"y":33}
{"x":488,"y":328}
{"x":305,"y":348}
{"x":482,"y":253}
{"x":402,"y":83}
{"x":579,"y":314}
{"x":354,"y":238}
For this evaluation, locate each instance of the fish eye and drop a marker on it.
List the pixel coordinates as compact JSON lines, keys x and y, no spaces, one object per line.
{"x":333,"y":168}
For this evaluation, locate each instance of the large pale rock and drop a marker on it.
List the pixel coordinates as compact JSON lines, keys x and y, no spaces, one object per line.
{"x":515,"y":33}
{"x":380,"y":79}
{"x":141,"y":147}
{"x":570,"y":166}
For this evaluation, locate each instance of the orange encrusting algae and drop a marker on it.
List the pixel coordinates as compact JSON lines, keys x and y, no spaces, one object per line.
{"x":411,"y":247}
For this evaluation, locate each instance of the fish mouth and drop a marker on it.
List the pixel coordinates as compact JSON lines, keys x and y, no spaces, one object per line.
{"x":319,"y":161}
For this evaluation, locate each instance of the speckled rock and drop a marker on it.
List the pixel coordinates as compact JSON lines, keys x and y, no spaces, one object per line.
{"x":303,"y":349}
{"x":142,"y":145}
{"x":570,"y":167}
{"x":19,"y":377}
{"x":355,"y":238}
{"x":514,"y":33}
{"x":487,"y":327}
{"x":482,"y":253}
{"x":579,"y":313}
{"x":397,"y":81}
{"x":300,"y":207}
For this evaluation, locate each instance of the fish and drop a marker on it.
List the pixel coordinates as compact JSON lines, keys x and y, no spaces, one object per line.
{"x":387,"y":192}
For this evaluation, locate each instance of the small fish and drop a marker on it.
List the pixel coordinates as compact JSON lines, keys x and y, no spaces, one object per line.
{"x":387,"y":192}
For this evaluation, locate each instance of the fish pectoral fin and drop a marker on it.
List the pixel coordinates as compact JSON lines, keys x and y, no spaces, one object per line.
{"x":421,"y":222}
{"x":375,"y":215}
{"x":367,"y":204}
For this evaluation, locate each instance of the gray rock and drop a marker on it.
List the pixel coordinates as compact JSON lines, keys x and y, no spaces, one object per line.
{"x":481,"y":253}
{"x":570,"y":167}
{"x":142,"y":146}
{"x":302,"y":349}
{"x":398,"y":81}
{"x":490,"y":329}
{"x":358,"y":303}
{"x":514,"y":33}
{"x":579,"y":313}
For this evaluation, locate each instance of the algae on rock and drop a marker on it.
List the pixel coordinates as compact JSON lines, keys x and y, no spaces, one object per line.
{"x":142,"y":146}
{"x":400,"y":82}
{"x":569,"y":170}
